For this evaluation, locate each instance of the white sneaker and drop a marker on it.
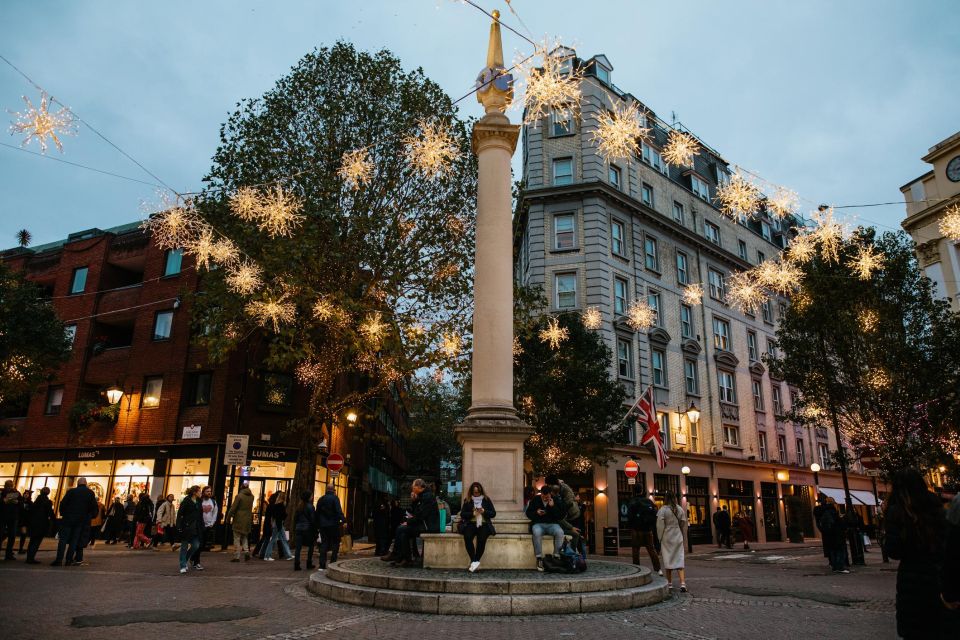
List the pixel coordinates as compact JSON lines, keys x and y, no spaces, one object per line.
{"x":269,"y":559}
{"x":474,"y":566}
{"x":198,"y":567}
{"x":660,"y":572}
{"x":183,"y":570}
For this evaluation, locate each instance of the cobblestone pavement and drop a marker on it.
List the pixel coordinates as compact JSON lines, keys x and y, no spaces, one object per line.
{"x":771,"y":594}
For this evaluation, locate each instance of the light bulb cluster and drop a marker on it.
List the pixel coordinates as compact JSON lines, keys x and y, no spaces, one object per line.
{"x":433,"y":151}
{"x":950,"y":223}
{"x":618,"y":134}
{"x":552,"y":86}
{"x":554,"y":334}
{"x":680,"y":149}
{"x":39,"y":123}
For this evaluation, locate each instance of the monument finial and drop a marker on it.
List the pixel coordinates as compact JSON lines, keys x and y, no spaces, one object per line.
{"x":495,"y":48}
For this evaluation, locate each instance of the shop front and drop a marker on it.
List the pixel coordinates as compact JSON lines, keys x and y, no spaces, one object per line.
{"x":698,"y":512}
{"x":269,"y":470}
{"x":798,"y":510}
{"x":738,"y":497}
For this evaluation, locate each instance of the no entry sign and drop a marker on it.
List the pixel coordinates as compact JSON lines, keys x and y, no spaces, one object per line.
{"x":631,"y":469}
{"x":335,"y":462}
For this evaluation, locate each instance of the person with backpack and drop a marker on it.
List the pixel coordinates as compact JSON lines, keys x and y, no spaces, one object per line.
{"x":672,"y":529}
{"x":642,"y":518}
{"x":832,"y":528}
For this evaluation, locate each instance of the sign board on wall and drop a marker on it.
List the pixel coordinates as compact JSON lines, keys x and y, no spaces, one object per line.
{"x":191,"y":432}
{"x":235,"y":453}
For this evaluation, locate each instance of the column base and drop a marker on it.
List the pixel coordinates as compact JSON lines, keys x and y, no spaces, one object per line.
{"x":492,"y":439}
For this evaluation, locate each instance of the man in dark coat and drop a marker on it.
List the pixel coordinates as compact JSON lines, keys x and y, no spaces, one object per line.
{"x":78,"y":506}
{"x":329,"y":518}
{"x":10,"y":500}
{"x":425,"y":518}
{"x":642,"y":518}
{"x":721,"y":522}
{"x":833,"y":528}
{"x":38,"y":525}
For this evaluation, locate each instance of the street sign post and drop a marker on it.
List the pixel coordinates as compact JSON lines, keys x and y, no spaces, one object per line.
{"x":334,"y":463}
{"x":235,"y":453}
{"x":631,"y":469}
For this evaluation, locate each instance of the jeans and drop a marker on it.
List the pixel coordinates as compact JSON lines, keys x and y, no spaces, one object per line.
{"x":69,"y":542}
{"x":645,"y":539}
{"x":10,"y":530}
{"x":205,"y":541}
{"x":471,"y":531}
{"x":34,"y":546}
{"x":550,"y":528}
{"x":188,"y":547}
{"x":838,"y":556}
{"x":305,"y":538}
{"x":329,"y":541}
{"x":405,"y":535}
{"x":277,"y":535}
{"x":241,"y":543}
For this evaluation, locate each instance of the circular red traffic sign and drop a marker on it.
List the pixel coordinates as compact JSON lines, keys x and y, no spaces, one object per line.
{"x":631,"y":469}
{"x":335,"y":462}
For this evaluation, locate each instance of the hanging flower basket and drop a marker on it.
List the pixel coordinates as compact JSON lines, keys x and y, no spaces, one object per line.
{"x":86,"y":413}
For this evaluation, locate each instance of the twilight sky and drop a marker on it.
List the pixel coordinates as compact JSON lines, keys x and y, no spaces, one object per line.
{"x":836,"y":100}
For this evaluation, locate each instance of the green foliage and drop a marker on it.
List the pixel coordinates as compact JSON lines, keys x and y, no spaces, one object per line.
{"x":435,"y":410}
{"x":567,"y":395}
{"x":881,"y":355}
{"x":87,"y":412}
{"x":376,"y":249}
{"x":32,"y":338}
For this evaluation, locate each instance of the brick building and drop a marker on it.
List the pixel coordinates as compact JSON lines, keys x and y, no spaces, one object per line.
{"x":598,"y":233}
{"x":125,"y":304}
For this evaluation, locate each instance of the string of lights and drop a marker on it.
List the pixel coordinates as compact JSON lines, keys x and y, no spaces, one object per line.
{"x":107,"y":313}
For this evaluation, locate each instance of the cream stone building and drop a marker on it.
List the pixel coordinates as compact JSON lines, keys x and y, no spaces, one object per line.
{"x":928,"y":198}
{"x":594,"y":233}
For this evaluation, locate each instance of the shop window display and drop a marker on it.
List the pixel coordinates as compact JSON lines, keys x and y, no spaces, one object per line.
{"x":186,"y":472}
{"x":97,"y":473}
{"x":131,"y":477}
{"x":8,"y":471}
{"x":37,"y":475}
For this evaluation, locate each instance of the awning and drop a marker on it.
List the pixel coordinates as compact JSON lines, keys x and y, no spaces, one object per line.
{"x":865,"y":498}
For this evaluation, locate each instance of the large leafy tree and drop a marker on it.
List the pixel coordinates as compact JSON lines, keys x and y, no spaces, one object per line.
{"x":565,"y":393}
{"x":373,"y":283}
{"x":877,"y":356}
{"x":436,"y":408}
{"x":32,"y":339}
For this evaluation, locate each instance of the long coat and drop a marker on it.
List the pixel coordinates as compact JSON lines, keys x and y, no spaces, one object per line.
{"x":41,"y":515}
{"x":241,"y":511}
{"x":672,"y":531}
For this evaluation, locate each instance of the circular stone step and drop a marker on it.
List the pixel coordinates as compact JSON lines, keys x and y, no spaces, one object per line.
{"x":605,"y":586}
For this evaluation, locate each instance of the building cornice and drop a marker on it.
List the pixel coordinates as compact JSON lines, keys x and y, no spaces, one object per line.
{"x":930,"y":212}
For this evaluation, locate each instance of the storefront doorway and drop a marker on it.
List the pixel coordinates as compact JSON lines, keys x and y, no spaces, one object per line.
{"x":737,"y":496}
{"x":698,"y":515}
{"x":771,"y":511}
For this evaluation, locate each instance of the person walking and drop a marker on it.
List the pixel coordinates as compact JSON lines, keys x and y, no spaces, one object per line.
{"x":329,"y":517}
{"x":10,"y":500}
{"x":211,"y":513}
{"x":277,"y":515}
{"x":477,"y":514}
{"x":672,"y":529}
{"x":77,"y":507}
{"x":745,"y":525}
{"x":240,"y":517}
{"x":817,"y":512}
{"x":545,"y":515}
{"x":114,"y":522}
{"x":916,"y":535}
{"x":305,"y":528}
{"x":167,"y":521}
{"x":143,"y":519}
{"x":721,"y":523}
{"x":266,"y":525}
{"x":190,"y":526}
{"x":23,"y":521}
{"x":39,"y":523}
{"x":833,"y":528}
{"x":642,"y":518}
{"x":130,"y":524}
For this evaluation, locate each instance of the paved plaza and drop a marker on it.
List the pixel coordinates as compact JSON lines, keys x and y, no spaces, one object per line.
{"x":770,"y":593}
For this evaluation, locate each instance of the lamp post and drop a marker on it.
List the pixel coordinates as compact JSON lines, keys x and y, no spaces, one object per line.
{"x":685,"y":470}
{"x":816,"y":478}
{"x":114,"y":394}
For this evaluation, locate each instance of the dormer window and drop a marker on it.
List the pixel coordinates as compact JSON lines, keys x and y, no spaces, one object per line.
{"x":603,"y":75}
{"x":601,"y":68}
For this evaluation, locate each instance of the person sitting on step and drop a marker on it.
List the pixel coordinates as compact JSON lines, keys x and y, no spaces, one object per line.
{"x":425,"y":518}
{"x":477,"y":515}
{"x":545,"y":514}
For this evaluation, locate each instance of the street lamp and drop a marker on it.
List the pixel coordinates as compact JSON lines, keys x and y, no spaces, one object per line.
{"x":816,"y":480}
{"x":114,"y":394}
{"x":685,"y":470}
{"x":693,"y":414}
{"x":351,"y":417}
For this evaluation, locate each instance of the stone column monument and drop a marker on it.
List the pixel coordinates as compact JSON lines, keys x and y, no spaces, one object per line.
{"x":492,"y":436}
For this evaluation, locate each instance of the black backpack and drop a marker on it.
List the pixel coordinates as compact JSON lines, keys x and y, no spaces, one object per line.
{"x":828,"y":522}
{"x":642,"y":514}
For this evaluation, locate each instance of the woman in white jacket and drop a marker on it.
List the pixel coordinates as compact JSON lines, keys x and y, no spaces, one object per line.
{"x":167,"y":520}
{"x":672,"y":530}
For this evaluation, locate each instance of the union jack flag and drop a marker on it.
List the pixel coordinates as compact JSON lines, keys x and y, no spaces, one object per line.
{"x":645,"y":413}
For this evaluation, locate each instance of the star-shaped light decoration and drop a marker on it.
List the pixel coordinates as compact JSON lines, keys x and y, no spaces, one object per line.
{"x":272,"y":312}
{"x":280,"y":212}
{"x":740,"y":197}
{"x":866,"y":262}
{"x":744,"y":292}
{"x":802,"y":249}
{"x":224,"y":252}
{"x":640,"y":315}
{"x":618,"y":134}
{"x":373,"y":327}
{"x":244,"y":278}
{"x":41,"y":123}
{"x":201,"y":248}
{"x":553,"y":86}
{"x":433,"y":151}
{"x":356,"y":168}
{"x":782,"y":277}
{"x":176,"y":225}
{"x":245,"y":203}
{"x":592,"y":318}
{"x":800,"y":301}
{"x":868,"y":320}
{"x":554,"y":334}
{"x":323,"y":309}
{"x":950,"y":223}
{"x":782,"y":203}
{"x":450,"y":345}
{"x":680,"y":149}
{"x":828,"y":234}
{"x":693,"y":294}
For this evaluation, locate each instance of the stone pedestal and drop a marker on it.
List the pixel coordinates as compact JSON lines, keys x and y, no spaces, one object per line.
{"x":503,"y":551}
